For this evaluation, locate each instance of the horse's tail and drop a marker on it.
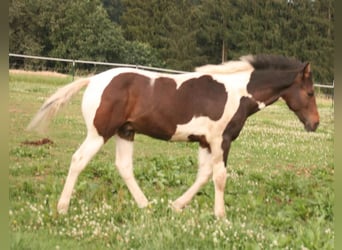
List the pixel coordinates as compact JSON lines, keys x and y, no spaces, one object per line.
{"x":53,"y":104}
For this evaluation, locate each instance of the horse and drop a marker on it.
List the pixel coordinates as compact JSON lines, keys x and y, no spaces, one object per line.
{"x":209,"y":106}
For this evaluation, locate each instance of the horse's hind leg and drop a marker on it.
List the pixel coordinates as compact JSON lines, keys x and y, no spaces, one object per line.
{"x":124,"y":164}
{"x":79,"y":160}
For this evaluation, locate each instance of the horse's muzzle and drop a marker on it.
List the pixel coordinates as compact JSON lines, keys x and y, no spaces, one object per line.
{"x":311,"y":127}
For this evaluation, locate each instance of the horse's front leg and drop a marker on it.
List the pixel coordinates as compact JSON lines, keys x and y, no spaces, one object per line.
{"x":219,"y":161}
{"x":204,"y":173}
{"x":219,"y":178}
{"x":220,"y":153}
{"x":211,"y":163}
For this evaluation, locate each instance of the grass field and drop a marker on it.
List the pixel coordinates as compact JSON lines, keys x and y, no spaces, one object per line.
{"x":279,"y":192}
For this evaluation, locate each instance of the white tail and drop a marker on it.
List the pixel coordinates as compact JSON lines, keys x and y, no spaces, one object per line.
{"x":53,"y":104}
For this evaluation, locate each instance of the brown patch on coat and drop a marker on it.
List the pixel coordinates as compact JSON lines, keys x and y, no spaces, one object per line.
{"x":202,"y":141}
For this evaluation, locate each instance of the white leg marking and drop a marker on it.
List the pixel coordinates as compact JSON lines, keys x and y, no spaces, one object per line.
{"x":79,"y":160}
{"x":203,"y":176}
{"x":261,"y":105}
{"x":219,"y":178}
{"x":124,"y":164}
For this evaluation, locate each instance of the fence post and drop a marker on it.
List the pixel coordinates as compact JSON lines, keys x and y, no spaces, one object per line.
{"x":333,"y":93}
{"x":73,"y":69}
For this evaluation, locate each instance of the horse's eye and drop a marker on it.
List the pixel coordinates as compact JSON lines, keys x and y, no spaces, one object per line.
{"x":310,"y":94}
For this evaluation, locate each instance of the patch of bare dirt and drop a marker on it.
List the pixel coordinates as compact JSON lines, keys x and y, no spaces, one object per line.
{"x":42,"y":73}
{"x":38,"y":143}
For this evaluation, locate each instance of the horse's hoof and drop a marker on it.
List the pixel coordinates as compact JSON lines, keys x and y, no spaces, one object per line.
{"x":144,"y":203}
{"x":220,"y":214}
{"x":176,"y":207}
{"x":62,"y":208}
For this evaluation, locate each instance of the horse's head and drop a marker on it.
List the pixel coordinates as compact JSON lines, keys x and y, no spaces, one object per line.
{"x":300,"y":98}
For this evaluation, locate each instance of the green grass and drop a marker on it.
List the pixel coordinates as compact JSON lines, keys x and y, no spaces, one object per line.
{"x":279,"y":192}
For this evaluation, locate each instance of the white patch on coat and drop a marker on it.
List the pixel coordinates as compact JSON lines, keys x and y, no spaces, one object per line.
{"x":235,"y":83}
{"x":178,"y":78}
{"x":197,"y":126}
{"x":236,"y":87}
{"x":261,"y":105}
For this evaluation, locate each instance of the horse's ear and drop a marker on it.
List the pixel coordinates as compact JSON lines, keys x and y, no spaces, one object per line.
{"x":307,"y":71}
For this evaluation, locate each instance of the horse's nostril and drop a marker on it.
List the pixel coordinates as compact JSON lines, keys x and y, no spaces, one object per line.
{"x":311,"y":126}
{"x":316,"y":124}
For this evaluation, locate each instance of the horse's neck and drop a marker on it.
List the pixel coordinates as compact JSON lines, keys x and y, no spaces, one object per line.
{"x":267,"y":87}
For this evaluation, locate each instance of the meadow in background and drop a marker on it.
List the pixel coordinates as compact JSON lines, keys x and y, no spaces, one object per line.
{"x":279,"y":192}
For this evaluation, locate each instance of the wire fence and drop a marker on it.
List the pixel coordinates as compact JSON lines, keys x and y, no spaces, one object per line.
{"x":82,"y":67}
{"x":72,"y":69}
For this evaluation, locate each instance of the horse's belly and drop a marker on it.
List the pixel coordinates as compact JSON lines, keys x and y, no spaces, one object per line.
{"x":197,"y":126}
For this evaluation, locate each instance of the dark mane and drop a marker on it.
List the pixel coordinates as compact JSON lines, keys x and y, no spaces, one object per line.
{"x":277,"y":62}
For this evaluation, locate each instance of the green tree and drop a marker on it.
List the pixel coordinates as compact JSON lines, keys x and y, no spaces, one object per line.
{"x":181,"y":50}
{"x":82,"y":30}
{"x":140,"y":53}
{"x":144,"y":21}
{"x":75,"y":29}
{"x":216,"y":23}
{"x":298,"y":28}
{"x":169,"y":26}
{"x":114,"y":9}
{"x":27,"y":33}
{"x":308,"y":35}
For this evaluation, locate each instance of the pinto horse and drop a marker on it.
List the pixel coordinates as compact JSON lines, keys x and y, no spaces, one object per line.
{"x":208,"y":106}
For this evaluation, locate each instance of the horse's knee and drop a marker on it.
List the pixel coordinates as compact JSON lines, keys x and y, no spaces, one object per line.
{"x":204,"y":177}
{"x":76,"y":163}
{"x":220,"y":176}
{"x":125,"y":171}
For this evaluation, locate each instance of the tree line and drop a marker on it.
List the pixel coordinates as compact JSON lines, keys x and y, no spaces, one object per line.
{"x":179,"y":34}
